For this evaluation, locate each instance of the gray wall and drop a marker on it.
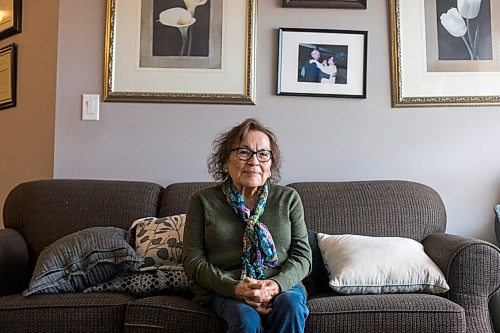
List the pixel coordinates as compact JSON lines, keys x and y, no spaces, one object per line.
{"x":454,"y":150}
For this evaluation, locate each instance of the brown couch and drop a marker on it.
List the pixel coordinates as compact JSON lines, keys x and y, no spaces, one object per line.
{"x":39,"y":212}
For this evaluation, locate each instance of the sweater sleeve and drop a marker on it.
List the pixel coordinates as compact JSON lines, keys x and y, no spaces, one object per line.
{"x":196,"y":265}
{"x":299,"y":262}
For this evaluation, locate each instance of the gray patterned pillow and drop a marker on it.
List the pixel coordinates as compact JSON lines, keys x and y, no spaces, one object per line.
{"x":82,"y":259}
{"x":146,"y":283}
{"x":159,"y":241}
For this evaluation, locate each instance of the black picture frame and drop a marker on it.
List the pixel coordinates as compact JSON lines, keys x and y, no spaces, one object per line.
{"x":353,"y":4}
{"x":339,"y":70}
{"x":13,"y":22}
{"x":8,"y":76}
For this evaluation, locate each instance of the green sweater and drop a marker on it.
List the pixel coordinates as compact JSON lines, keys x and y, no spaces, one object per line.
{"x":213,"y":241}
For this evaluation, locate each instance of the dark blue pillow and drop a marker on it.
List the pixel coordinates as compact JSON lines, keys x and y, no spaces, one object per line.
{"x":497,"y":222}
{"x":82,"y":259}
{"x":316,"y":283}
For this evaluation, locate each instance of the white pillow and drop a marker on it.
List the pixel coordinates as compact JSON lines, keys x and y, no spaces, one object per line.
{"x":370,"y":265}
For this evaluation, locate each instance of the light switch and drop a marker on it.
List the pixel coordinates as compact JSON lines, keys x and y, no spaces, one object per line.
{"x":90,"y":107}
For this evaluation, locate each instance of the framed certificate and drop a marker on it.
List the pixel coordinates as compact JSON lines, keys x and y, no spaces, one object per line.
{"x":8,"y":61}
{"x":10,"y":18}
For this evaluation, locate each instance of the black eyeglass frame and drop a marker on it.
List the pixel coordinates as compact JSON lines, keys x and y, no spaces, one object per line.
{"x":256,"y":153}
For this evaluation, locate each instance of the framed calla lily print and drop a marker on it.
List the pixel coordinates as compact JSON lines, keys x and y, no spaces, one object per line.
{"x":445,"y":52}
{"x":180,"y":51}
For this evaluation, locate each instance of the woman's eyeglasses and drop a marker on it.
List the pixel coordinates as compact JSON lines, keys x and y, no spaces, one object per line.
{"x":244,"y":154}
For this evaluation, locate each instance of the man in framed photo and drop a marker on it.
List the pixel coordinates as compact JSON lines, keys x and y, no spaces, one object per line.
{"x":312,"y":68}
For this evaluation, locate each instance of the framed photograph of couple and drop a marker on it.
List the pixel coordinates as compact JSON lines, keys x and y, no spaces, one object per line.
{"x":445,"y":53}
{"x":355,"y":4}
{"x":322,"y":62}
{"x":180,"y":51}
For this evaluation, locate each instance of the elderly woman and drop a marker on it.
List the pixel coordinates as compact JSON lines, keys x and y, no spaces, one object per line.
{"x":245,"y":240}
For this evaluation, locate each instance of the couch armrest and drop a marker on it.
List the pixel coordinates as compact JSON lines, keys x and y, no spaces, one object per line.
{"x":13,"y":262}
{"x":472,"y":270}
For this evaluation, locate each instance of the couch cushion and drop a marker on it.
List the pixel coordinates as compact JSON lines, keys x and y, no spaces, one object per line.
{"x":74,"y":312}
{"x":370,"y":265}
{"x":46,"y":210}
{"x":82,"y":259}
{"x":388,"y":313}
{"x":13,"y":262}
{"x":170,"y":314}
{"x":175,"y":197}
{"x":387,"y":208}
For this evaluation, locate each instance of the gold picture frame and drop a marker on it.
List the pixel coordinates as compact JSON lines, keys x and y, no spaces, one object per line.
{"x":141,"y":67}
{"x":8,"y":74}
{"x":426,"y":68}
{"x":10,"y":17}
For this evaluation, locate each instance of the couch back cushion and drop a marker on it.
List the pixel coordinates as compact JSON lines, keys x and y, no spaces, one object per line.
{"x":175,"y":197}
{"x":372,"y":208}
{"x":46,"y":210}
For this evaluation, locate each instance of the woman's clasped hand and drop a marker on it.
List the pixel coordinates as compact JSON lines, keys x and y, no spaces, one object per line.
{"x":257,"y":293}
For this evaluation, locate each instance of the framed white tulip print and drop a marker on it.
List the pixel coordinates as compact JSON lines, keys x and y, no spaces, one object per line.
{"x":445,"y":52}
{"x":180,"y":51}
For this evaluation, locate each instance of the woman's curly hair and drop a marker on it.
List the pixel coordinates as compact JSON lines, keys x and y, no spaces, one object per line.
{"x":226,"y":141}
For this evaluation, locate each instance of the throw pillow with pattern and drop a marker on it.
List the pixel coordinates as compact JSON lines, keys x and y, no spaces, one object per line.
{"x":158,"y":241}
{"x":152,"y":282}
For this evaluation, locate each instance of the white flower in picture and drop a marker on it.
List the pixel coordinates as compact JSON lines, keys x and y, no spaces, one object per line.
{"x":454,"y":22}
{"x":469,"y":9}
{"x":181,"y":19}
{"x":191,"y":7}
{"x":192,"y":4}
{"x":457,"y":23}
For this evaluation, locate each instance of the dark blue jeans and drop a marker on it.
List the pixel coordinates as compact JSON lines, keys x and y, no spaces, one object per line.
{"x":289,"y":313}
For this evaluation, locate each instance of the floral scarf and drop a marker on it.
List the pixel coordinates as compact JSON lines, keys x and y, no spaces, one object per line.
{"x":259,"y":251}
